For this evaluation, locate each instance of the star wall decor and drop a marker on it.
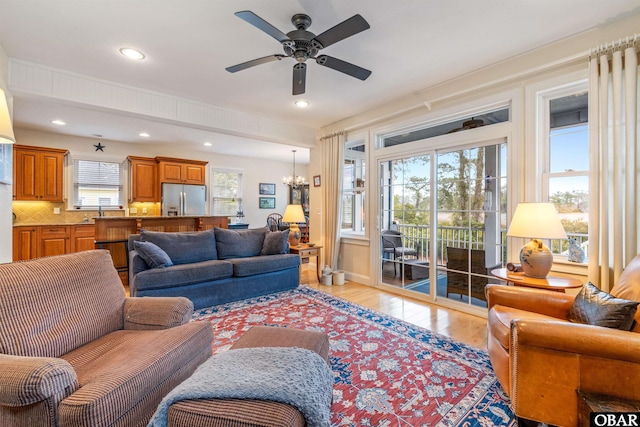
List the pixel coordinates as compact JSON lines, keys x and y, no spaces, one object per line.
{"x":99,"y":147}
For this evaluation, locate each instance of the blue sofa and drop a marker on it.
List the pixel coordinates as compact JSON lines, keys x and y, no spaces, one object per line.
{"x":211,"y":267}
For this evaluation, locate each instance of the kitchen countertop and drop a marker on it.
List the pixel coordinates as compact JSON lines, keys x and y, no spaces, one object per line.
{"x":51,"y":224}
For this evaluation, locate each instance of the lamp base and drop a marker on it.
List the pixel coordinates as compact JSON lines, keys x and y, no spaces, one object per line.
{"x":294,"y":235}
{"x":536,"y":259}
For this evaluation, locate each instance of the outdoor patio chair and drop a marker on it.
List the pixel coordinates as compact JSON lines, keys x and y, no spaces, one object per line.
{"x":392,"y":244}
{"x":458,"y":283}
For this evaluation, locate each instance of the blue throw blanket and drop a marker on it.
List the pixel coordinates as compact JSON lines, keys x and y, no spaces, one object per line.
{"x":291,"y":375}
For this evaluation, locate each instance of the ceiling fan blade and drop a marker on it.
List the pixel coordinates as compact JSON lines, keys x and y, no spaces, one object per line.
{"x":263,"y":25}
{"x":345,"y":29}
{"x":299,"y":78}
{"x":254,"y":62}
{"x":343,"y":67}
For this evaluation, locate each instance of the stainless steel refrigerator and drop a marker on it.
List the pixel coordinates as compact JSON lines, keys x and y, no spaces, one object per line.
{"x":183,"y":199}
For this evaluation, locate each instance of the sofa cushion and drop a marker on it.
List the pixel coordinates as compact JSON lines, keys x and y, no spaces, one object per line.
{"x":275,"y":243}
{"x":152,"y":254}
{"x":263,"y":264}
{"x":50,"y":306}
{"x":184,"y":248}
{"x":596,"y":307}
{"x":182,"y":275}
{"x":239,"y":243}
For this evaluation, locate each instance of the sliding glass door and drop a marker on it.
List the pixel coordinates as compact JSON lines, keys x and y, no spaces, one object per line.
{"x":443,"y":221}
{"x":405,"y":222}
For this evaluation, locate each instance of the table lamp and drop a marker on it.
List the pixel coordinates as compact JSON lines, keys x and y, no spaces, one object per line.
{"x":293,"y":214}
{"x":536,"y":221}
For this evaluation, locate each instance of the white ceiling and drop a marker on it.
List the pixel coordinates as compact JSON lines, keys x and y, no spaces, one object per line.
{"x":411,"y":45}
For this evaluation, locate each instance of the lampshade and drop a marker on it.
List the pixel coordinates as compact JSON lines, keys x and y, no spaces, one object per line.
{"x":293,"y":214}
{"x":537,"y":221}
{"x":6,"y":130}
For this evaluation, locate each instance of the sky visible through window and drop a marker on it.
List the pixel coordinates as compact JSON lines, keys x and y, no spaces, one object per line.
{"x":569,"y":151}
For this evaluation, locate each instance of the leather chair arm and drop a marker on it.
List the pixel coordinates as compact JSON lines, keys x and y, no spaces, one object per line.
{"x":28,"y":380}
{"x":156,"y":312}
{"x":554,"y":304}
{"x":576,"y":338}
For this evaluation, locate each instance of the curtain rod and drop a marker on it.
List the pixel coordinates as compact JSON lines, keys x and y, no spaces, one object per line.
{"x":331,"y":135}
{"x":622,"y":43}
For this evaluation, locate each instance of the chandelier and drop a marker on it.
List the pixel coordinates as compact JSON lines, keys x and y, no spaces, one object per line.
{"x":294,"y":181}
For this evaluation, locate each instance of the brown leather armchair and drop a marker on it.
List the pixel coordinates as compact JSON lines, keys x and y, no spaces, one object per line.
{"x":541,"y":359}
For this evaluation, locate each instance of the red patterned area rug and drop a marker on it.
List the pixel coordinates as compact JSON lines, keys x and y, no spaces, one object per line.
{"x":387,"y":372}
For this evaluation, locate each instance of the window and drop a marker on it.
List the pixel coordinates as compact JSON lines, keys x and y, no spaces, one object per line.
{"x":97,"y":184}
{"x":353,"y":218}
{"x":566,"y":162}
{"x":482,"y":118}
{"x":226,"y":192}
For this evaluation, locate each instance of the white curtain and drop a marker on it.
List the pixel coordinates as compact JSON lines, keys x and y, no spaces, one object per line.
{"x":613,"y":139}
{"x":332,"y":155}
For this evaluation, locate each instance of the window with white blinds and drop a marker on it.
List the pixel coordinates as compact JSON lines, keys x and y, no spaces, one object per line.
{"x":226,"y":192}
{"x":97,"y":184}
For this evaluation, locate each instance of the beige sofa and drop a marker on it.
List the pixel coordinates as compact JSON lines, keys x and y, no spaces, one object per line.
{"x":75,"y":351}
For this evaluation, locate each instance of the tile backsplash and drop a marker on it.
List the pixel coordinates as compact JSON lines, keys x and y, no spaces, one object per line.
{"x":43,"y":212}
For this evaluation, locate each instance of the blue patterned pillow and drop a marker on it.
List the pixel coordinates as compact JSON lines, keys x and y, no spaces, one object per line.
{"x":152,"y":254}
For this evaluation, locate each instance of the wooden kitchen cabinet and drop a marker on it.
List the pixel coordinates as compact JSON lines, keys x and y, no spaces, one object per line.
{"x":25,"y":243}
{"x":54,"y":240}
{"x":181,"y":171}
{"x":83,"y":237}
{"x":38,"y":173}
{"x":144,"y":178}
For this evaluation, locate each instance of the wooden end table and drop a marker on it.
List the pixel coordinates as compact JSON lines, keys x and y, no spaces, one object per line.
{"x":306,"y":252}
{"x":550,"y":283}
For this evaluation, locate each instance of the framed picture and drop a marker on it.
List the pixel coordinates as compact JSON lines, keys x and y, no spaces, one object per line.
{"x":5,"y":164}
{"x":267,"y":189}
{"x":316,"y":181}
{"x":267,"y":202}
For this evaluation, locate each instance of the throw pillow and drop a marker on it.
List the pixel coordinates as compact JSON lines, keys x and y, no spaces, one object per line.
{"x":239,"y":243}
{"x":596,"y":307}
{"x":184,"y":247}
{"x":276,"y":242}
{"x":152,"y":254}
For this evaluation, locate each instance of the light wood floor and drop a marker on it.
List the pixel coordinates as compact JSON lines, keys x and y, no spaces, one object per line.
{"x":460,"y":326}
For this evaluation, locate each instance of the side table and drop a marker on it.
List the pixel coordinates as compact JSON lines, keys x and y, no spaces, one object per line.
{"x":550,"y":283}
{"x":306,"y":252}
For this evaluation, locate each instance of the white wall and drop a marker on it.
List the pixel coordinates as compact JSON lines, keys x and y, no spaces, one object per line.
{"x":6,"y":191}
{"x":254,"y":170}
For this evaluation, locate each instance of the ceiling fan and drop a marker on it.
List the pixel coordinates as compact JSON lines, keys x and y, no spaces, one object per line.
{"x":301,"y":45}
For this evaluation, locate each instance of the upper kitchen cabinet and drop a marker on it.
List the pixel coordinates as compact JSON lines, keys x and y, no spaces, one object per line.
{"x":38,"y":173}
{"x":181,"y":171}
{"x":144,"y":178}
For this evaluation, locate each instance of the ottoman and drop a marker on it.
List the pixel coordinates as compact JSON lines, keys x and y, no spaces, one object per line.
{"x":251,"y":413}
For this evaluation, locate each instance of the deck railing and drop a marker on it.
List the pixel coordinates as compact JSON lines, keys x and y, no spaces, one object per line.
{"x":417,"y":237}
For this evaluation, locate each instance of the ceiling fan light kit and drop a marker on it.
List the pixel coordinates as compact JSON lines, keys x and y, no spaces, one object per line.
{"x":301,"y":45}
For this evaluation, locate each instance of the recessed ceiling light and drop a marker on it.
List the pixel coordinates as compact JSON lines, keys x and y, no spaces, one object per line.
{"x":144,"y":135}
{"x":208,"y":144}
{"x":132,"y":53}
{"x":58,"y":122}
{"x":302,"y":103}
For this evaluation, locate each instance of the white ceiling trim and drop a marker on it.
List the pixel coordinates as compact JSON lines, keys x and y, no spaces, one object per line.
{"x":34,"y":80}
